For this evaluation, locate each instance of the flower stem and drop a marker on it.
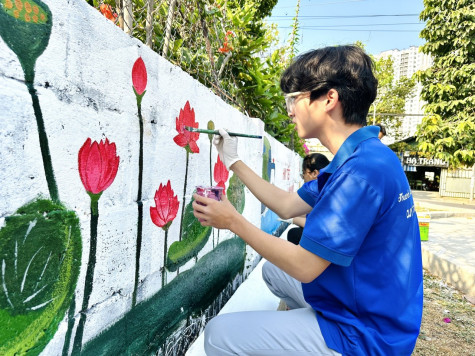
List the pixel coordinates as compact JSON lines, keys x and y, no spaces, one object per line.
{"x":164,"y":272}
{"x":183,"y":203}
{"x":139,"y":205}
{"x":89,"y":272}
{"x":210,"y":165}
{"x":184,"y":195}
{"x":211,"y":174}
{"x":67,"y":338}
{"x":44,"y":146}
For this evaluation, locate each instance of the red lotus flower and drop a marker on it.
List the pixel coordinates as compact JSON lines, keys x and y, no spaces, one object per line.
{"x":98,"y":165}
{"x":166,"y":207}
{"x":107,"y":11}
{"x":139,"y":76}
{"x":221,"y":174}
{"x":186,"y":138}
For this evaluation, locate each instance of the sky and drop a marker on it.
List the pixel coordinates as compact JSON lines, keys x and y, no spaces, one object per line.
{"x":338,"y":22}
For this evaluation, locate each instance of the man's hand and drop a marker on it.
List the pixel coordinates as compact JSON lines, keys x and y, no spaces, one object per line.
{"x":227,"y":148}
{"x":219,"y":214}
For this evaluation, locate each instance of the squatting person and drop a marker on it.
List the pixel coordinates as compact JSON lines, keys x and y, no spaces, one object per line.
{"x":354,"y":283}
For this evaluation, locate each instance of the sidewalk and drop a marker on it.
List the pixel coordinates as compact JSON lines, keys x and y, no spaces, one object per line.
{"x":450,"y":251}
{"x":432,"y":201}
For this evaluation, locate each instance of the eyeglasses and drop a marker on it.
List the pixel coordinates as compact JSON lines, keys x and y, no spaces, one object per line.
{"x":290,"y":98}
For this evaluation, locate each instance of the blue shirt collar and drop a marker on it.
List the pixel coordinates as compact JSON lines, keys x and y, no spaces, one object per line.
{"x":349,"y":146}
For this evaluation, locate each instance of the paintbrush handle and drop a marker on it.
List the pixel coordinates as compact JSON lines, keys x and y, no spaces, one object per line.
{"x":216,"y":132}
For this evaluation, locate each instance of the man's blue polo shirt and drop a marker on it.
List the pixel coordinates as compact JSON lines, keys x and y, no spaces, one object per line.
{"x":369,"y":299}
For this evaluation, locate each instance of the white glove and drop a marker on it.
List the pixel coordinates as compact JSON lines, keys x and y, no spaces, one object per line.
{"x":227,"y":148}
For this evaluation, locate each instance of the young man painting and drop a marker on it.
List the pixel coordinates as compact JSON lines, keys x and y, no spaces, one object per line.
{"x":354,"y":283}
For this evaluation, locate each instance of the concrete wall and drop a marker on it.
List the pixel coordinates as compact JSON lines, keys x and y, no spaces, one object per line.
{"x":456,"y":183}
{"x":88,"y":263}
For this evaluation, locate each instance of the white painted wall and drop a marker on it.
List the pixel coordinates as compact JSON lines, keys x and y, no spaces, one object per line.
{"x":87,"y":67}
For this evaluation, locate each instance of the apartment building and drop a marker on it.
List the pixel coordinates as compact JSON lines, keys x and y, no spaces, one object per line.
{"x":406,"y":62}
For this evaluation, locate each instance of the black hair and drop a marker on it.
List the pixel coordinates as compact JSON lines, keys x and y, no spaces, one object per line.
{"x":382,"y":129}
{"x":347,"y":69}
{"x":314,"y":161}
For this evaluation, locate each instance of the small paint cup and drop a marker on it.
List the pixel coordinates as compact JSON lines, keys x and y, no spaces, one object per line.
{"x":214,"y":192}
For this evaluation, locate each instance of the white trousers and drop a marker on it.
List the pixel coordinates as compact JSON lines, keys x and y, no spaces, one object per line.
{"x":293,"y":332}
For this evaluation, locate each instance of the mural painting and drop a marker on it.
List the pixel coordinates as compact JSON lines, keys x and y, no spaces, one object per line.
{"x":277,"y":158}
{"x":40,"y":244}
{"x":98,"y":166}
{"x":269,"y":220}
{"x":68,"y":283}
{"x":139,"y":83}
{"x":162,"y":215}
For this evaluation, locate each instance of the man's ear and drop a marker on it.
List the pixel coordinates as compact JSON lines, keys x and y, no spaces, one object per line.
{"x":314,"y":174}
{"x":332,"y":100}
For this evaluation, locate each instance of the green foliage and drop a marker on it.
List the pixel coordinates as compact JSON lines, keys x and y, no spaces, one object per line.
{"x":263,"y":7}
{"x":246,"y":72}
{"x":253,"y":80}
{"x":448,"y":130}
{"x":391,"y":96}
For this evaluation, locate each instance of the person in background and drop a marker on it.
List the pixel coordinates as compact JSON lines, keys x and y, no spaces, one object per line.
{"x":354,"y":282}
{"x":382,"y":131}
{"x":311,"y":166}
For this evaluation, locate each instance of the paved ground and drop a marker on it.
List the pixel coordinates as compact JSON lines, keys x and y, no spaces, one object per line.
{"x":432,"y":200}
{"x":450,"y":251}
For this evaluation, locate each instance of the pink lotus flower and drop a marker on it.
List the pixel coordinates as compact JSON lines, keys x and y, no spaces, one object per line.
{"x":186,"y":138}
{"x":221,"y":174}
{"x":139,"y":76}
{"x":98,"y":165}
{"x":166,"y":207}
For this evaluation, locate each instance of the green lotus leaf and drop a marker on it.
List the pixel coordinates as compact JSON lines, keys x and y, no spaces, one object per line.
{"x":40,"y":258}
{"x":236,"y":194}
{"x":146,"y":327}
{"x":265,"y":159}
{"x":194,"y":238}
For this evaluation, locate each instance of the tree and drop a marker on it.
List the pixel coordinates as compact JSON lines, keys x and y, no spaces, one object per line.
{"x":263,"y":7}
{"x":392,"y":95}
{"x":254,"y":78}
{"x":225,"y":44}
{"x":448,"y":130}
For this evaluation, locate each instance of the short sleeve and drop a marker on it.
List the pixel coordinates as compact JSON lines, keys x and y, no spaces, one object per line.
{"x":341,"y":219}
{"x":309,"y":192}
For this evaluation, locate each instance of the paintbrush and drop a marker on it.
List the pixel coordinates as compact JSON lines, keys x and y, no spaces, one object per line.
{"x":216,"y":132}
